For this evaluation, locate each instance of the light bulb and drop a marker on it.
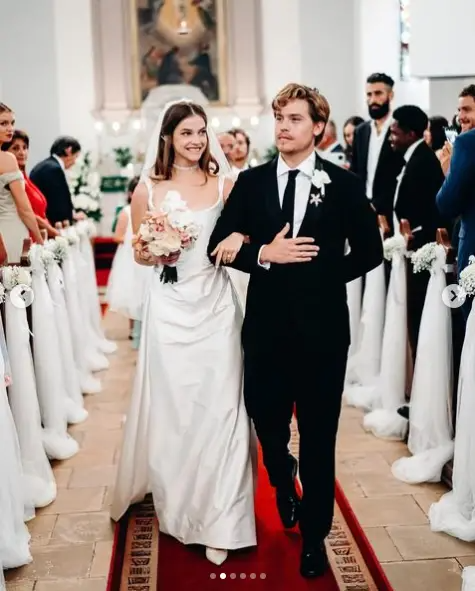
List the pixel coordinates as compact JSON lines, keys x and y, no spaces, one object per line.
{"x":254,"y":121}
{"x":253,"y":162}
{"x":236,"y":122}
{"x":215,"y":122}
{"x":137,"y":124}
{"x":116,"y":126}
{"x":99,"y":126}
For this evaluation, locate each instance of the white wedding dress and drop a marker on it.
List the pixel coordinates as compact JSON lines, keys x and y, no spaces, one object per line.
{"x":187,"y":435}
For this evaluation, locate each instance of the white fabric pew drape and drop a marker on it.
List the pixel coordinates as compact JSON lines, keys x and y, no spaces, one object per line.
{"x":14,"y":508}
{"x":38,"y":475}
{"x":430,"y":418}
{"x":50,"y":381}
{"x":75,"y":411}
{"x":454,"y":513}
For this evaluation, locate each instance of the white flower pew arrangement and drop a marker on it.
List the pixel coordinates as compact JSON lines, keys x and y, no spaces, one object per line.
{"x":15,"y":507}
{"x":80,"y":338}
{"x":75,"y":411}
{"x":365,"y":363}
{"x":388,"y":393}
{"x":454,"y":513}
{"x":39,"y":482}
{"x":50,"y":380}
{"x":96,"y":359}
{"x":430,"y":421}
{"x":86,"y":230}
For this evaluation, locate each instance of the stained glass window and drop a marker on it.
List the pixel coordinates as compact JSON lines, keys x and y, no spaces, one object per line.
{"x":405,"y":34}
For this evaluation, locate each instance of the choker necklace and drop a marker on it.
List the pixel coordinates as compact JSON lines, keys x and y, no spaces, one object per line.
{"x":195,"y":166}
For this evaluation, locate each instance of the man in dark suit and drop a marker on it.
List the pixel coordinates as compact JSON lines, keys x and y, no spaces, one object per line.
{"x":296,"y":329}
{"x":49,"y":176}
{"x":457,"y":198}
{"x":373,"y":160}
{"x":415,"y":200}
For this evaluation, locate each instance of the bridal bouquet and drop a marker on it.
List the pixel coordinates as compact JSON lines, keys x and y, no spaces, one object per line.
{"x":167,"y":232}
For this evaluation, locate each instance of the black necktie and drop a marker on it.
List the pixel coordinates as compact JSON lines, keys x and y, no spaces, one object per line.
{"x":288,"y":202}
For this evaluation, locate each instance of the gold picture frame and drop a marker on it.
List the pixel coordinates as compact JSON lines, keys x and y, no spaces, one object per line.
{"x":148,"y":41}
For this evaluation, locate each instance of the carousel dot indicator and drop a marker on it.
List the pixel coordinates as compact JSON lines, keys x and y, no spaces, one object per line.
{"x":232,"y":576}
{"x":253,"y":575}
{"x":263,"y":575}
{"x":242,"y":575}
{"x":212,"y":576}
{"x":222,"y":576}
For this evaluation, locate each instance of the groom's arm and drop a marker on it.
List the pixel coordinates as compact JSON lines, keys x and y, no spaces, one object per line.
{"x":235,"y":217}
{"x":362,"y":231}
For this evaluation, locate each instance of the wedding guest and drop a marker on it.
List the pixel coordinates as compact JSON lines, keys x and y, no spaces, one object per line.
{"x":329,"y":146}
{"x":240,"y":153}
{"x":373,"y":160}
{"x":348,"y":135}
{"x":50,"y":177}
{"x":434,"y":135}
{"x":130,"y":190}
{"x":19,"y":146}
{"x":16,"y":215}
{"x":457,"y":198}
{"x":227,"y":141}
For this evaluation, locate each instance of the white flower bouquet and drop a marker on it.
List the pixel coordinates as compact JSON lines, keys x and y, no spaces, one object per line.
{"x":59,"y":247}
{"x":13,"y":276}
{"x":467,"y":277}
{"x":167,"y":232}
{"x":392,"y":245}
{"x":424,"y":257}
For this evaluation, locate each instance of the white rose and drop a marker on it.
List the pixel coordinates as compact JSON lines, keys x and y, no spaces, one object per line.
{"x":180,"y":218}
{"x":164,"y":247}
{"x":172,"y":201}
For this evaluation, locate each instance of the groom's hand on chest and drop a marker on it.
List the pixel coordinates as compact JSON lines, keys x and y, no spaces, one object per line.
{"x":283,"y":250}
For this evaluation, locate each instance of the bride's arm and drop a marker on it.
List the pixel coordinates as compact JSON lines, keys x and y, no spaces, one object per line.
{"x":138,"y":210}
{"x":227,"y":249}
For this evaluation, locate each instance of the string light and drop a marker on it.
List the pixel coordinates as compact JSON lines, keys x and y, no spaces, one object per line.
{"x":215,"y":122}
{"x":236,"y":122}
{"x":116,"y":126}
{"x":137,"y":124}
{"x":254,"y":121}
{"x":99,"y":126}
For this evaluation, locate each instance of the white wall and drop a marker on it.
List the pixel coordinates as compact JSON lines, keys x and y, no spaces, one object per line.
{"x":442,"y":44}
{"x":28,"y":71}
{"x":378,"y":49}
{"x":328,"y":58}
{"x":46,"y":70}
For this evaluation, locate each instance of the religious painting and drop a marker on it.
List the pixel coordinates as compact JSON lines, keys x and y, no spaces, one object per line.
{"x":180,"y":43}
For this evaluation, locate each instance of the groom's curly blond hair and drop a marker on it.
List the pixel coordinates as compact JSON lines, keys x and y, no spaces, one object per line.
{"x":318,"y":106}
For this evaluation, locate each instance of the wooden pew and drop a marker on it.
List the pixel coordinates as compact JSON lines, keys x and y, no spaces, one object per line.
{"x":383,"y":224}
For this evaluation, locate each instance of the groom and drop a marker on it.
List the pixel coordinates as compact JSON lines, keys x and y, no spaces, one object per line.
{"x":298,"y":212}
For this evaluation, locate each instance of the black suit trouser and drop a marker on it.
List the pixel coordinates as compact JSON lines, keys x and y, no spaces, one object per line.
{"x":309,"y":378}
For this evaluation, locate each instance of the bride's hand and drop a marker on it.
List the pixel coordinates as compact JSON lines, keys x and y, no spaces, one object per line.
{"x":228,"y":248}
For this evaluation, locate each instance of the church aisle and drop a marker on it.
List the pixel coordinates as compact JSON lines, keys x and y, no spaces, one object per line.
{"x":394,"y":514}
{"x":72,"y":538}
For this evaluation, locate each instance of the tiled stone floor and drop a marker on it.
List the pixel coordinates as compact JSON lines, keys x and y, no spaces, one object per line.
{"x":72,"y":539}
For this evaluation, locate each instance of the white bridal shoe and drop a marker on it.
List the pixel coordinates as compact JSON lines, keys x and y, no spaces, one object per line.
{"x":216,"y":556}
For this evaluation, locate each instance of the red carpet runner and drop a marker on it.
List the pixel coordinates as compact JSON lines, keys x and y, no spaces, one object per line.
{"x":272,"y":566}
{"x":142,"y":560}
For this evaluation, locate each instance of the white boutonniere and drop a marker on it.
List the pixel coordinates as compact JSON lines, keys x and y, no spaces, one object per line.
{"x":319,"y":179}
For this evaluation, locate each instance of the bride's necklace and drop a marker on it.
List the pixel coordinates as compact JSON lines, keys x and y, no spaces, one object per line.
{"x":178,"y":167}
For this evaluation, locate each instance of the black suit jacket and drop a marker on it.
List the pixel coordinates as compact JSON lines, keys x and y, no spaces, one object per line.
{"x":389,"y":166}
{"x":308,"y":296}
{"x":416,"y":200}
{"x":50,"y":179}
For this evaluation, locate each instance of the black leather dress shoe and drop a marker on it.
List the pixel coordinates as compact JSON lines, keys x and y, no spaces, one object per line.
{"x":314,"y":561}
{"x":288,"y":502}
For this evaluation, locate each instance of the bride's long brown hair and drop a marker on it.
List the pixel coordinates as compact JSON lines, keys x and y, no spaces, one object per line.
{"x":163,"y":167}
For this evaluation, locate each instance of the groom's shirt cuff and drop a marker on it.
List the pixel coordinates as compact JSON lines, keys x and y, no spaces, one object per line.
{"x":263,"y":265}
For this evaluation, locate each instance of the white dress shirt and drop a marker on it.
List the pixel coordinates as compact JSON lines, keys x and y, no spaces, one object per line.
{"x":303,"y":184}
{"x":407,"y":156}
{"x":376,"y":141}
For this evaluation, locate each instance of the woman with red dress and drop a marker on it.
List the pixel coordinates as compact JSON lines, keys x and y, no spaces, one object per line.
{"x":19,"y":146}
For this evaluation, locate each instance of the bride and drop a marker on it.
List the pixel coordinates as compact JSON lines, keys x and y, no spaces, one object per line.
{"x":187,"y":436}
